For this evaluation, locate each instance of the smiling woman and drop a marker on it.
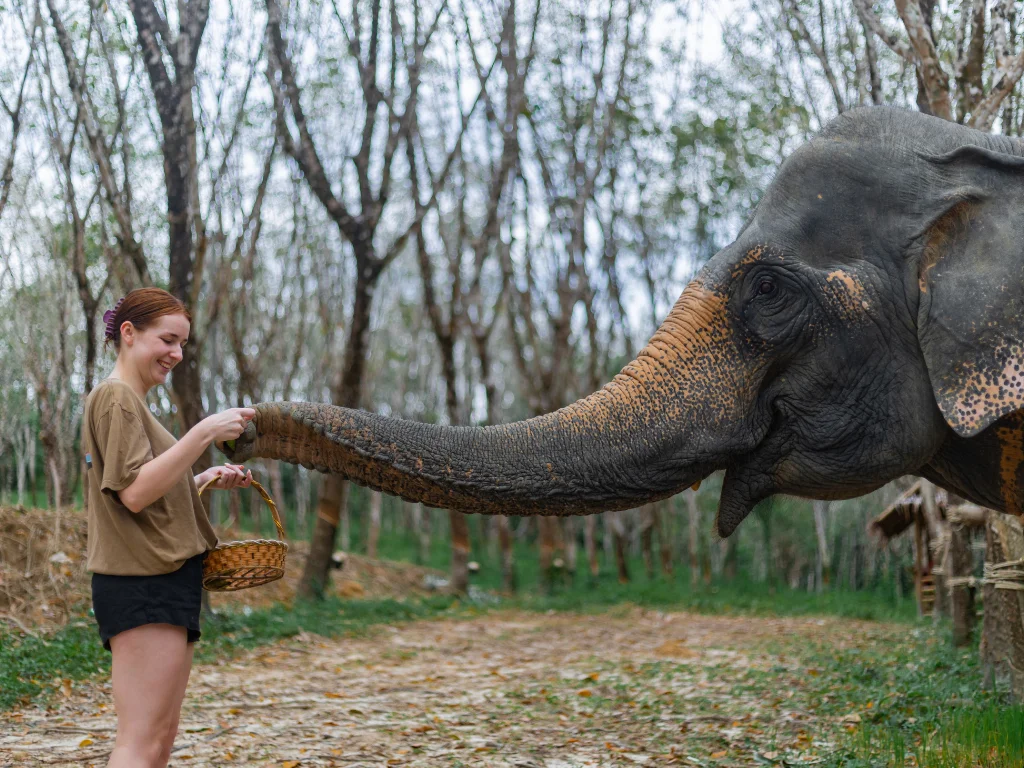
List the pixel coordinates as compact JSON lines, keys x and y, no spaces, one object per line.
{"x":148,"y":532}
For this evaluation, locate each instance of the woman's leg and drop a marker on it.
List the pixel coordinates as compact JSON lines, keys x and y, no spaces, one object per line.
{"x":182,"y":684}
{"x":149,"y":673}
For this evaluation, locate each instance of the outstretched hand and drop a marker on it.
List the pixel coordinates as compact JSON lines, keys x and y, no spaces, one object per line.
{"x":228,"y":476}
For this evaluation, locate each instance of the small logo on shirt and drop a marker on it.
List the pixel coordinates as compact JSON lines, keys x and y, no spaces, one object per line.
{"x":88,"y":461}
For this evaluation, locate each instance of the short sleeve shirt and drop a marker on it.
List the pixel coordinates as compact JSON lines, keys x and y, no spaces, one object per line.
{"x":119,"y":435}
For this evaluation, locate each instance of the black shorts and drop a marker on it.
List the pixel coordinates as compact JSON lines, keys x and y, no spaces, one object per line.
{"x":125,"y":602}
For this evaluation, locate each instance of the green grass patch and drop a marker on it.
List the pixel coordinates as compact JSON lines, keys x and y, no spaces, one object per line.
{"x":919,"y":702}
{"x":739,"y":597}
{"x":987,"y":736}
{"x":30,"y":666}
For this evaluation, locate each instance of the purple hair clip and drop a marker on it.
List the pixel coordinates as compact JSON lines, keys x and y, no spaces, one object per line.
{"x":108,"y":318}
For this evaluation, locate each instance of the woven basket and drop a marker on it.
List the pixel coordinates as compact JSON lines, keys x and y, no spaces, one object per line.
{"x":243,"y":564}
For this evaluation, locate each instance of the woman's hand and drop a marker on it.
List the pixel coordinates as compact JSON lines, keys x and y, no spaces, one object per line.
{"x":228,"y":476}
{"x":227,"y":425}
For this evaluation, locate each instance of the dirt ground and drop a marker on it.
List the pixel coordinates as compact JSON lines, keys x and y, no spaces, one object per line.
{"x":44,"y":584}
{"x":624,"y":688}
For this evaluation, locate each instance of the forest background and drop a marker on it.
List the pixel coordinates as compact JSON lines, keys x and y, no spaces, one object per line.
{"x":454,"y":211}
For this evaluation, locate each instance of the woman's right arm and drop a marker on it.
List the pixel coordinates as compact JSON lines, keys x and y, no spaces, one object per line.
{"x":158,"y":476}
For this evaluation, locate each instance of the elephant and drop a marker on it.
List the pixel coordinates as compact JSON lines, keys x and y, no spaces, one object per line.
{"x":866,"y":323}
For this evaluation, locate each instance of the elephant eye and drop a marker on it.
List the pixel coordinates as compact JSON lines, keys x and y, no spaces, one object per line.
{"x":765,"y":286}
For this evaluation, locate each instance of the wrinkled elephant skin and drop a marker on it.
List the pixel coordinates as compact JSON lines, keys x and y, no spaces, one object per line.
{"x":868,"y":322}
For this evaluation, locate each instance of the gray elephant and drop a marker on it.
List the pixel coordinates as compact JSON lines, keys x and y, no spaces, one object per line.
{"x":867,"y":323}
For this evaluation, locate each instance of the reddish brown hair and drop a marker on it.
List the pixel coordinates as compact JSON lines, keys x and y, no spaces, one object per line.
{"x":141,"y":307}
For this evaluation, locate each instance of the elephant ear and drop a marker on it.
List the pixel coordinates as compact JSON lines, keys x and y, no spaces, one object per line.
{"x":971,"y":280}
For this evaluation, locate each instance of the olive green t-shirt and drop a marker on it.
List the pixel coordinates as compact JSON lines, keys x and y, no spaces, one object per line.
{"x":119,"y":435}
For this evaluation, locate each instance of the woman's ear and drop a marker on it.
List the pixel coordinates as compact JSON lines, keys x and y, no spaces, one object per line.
{"x":970,"y":271}
{"x":128,"y":332}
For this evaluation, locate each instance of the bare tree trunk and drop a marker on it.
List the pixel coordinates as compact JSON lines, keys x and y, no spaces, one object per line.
{"x":508,"y":571}
{"x":234,"y":509}
{"x":694,"y":528}
{"x":730,"y":559}
{"x":590,"y":545}
{"x":460,"y":551}
{"x":173,"y":99}
{"x":547,"y":544}
{"x":421,"y":528}
{"x":571,"y":525}
{"x":824,"y":559}
{"x":302,"y":496}
{"x":373,"y":526}
{"x":618,"y":528}
{"x":416,"y":524}
{"x":662,"y":523}
{"x":647,"y":539}
{"x":276,"y":485}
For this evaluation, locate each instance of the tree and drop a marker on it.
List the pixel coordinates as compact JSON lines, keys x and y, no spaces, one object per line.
{"x":406,"y":50}
{"x":458,"y":304}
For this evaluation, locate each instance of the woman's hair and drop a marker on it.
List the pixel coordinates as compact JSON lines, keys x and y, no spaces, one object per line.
{"x":141,"y":307}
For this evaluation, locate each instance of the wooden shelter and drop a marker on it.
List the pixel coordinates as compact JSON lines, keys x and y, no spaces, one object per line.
{"x":908,"y":511}
{"x":943,"y":561}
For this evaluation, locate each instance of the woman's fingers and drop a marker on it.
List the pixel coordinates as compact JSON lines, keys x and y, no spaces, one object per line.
{"x":234,"y":476}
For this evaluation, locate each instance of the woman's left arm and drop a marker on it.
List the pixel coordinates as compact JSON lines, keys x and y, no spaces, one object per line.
{"x":228,"y":476}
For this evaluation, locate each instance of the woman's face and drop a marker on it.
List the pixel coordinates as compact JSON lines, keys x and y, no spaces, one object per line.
{"x":155,"y":350}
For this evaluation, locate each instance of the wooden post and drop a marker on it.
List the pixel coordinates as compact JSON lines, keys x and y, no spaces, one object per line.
{"x":959,"y":564}
{"x":918,"y":562}
{"x":1002,"y":638}
{"x":937,"y":532}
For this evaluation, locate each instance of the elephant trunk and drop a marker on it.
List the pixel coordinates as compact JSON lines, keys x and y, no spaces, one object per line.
{"x":647,"y":434}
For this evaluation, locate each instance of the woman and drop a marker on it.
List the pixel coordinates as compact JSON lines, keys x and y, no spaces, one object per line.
{"x":148,"y":531}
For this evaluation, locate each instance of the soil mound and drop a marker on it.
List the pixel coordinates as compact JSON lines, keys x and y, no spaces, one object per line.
{"x":44,"y":584}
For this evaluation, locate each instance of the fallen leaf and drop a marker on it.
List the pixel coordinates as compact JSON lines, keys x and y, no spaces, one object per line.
{"x":675,"y":649}
{"x":290,"y":764}
{"x":585,"y":693}
{"x":86,"y":742}
{"x":716,"y":755}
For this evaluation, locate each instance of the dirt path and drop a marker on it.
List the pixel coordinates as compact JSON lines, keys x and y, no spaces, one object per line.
{"x":629,"y":687}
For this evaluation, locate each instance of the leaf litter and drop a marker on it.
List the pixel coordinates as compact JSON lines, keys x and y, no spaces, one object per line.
{"x":509,"y":689}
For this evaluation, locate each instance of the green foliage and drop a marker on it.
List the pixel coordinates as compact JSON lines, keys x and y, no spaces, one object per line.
{"x":30,"y":666}
{"x":919,"y":702}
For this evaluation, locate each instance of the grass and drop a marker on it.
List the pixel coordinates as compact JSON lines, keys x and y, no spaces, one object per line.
{"x":989,"y":736}
{"x":919,"y":702}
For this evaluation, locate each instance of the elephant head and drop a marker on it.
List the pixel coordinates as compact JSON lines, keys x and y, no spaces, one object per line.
{"x":868,"y":322}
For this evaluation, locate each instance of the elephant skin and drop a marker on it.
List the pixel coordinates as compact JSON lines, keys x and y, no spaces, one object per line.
{"x":867,"y":323}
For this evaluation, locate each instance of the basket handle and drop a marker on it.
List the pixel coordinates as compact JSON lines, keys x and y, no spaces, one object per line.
{"x":266,"y":498}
